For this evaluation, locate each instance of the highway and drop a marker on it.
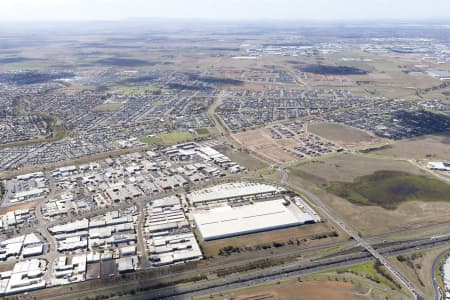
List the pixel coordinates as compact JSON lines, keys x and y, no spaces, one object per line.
{"x":408,"y":284}
{"x":283,"y":272}
{"x":273,"y":274}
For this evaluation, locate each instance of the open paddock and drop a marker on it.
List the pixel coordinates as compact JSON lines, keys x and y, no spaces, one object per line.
{"x":308,"y":290}
{"x":369,"y":220}
{"x":261,"y":142}
{"x":341,"y":134}
{"x":434,"y":147}
{"x":347,"y":167}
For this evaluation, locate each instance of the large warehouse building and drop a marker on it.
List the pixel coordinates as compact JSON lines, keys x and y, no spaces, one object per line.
{"x":226,"y":221}
{"x":231,"y":191}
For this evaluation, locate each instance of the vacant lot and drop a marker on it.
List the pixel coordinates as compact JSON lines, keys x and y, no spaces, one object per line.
{"x":243,"y":158}
{"x":341,"y":134}
{"x":309,"y":290}
{"x":261,"y":142}
{"x":26,"y":205}
{"x":347,"y":167}
{"x":432,"y":147}
{"x":136,"y":90}
{"x":389,"y":189}
{"x":202,"y":131}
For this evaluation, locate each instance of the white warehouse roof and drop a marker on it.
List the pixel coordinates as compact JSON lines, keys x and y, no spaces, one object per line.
{"x":227,"y":221}
{"x":231,"y":190}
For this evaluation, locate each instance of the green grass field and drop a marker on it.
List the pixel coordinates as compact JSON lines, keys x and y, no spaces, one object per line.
{"x":370,"y":271}
{"x":136,"y":90}
{"x":202,"y":131}
{"x":167,"y":138}
{"x":151,"y":140}
{"x":389,"y":189}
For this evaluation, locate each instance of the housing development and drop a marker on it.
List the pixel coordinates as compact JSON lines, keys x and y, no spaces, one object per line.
{"x":184,"y":160}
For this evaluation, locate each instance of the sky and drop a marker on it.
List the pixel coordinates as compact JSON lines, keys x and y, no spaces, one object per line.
{"x":90,"y":10}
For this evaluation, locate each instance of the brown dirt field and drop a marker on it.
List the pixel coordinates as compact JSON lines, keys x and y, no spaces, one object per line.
{"x":346,"y":167}
{"x":261,"y":142}
{"x":7,"y":266}
{"x":243,"y":158}
{"x":31,"y":204}
{"x":432,"y":147}
{"x":309,"y":290}
{"x":211,"y":248}
{"x":341,"y":134}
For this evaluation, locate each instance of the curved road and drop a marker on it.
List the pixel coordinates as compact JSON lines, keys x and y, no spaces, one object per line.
{"x":438,"y":293}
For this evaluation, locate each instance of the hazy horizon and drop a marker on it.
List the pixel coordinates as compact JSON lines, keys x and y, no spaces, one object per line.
{"x":231,"y":10}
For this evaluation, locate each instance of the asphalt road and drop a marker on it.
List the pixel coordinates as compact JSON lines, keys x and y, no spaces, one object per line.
{"x":438,"y":293}
{"x":140,"y":237}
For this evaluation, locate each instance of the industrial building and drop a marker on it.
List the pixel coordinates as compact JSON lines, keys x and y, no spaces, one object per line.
{"x":112,"y":228}
{"x":233,"y":191}
{"x":16,"y":218}
{"x":168,"y":233}
{"x":24,"y":245}
{"x":24,"y":277}
{"x":228,"y":221}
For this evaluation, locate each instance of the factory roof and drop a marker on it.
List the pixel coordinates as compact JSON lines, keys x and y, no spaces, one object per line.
{"x":227,"y":221}
{"x":231,"y":190}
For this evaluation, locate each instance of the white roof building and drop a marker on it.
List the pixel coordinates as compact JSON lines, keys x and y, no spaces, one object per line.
{"x":126,"y":264}
{"x":33,"y":251}
{"x":25,"y":276}
{"x":129,"y":250}
{"x":232,"y":190}
{"x":227,"y":221}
